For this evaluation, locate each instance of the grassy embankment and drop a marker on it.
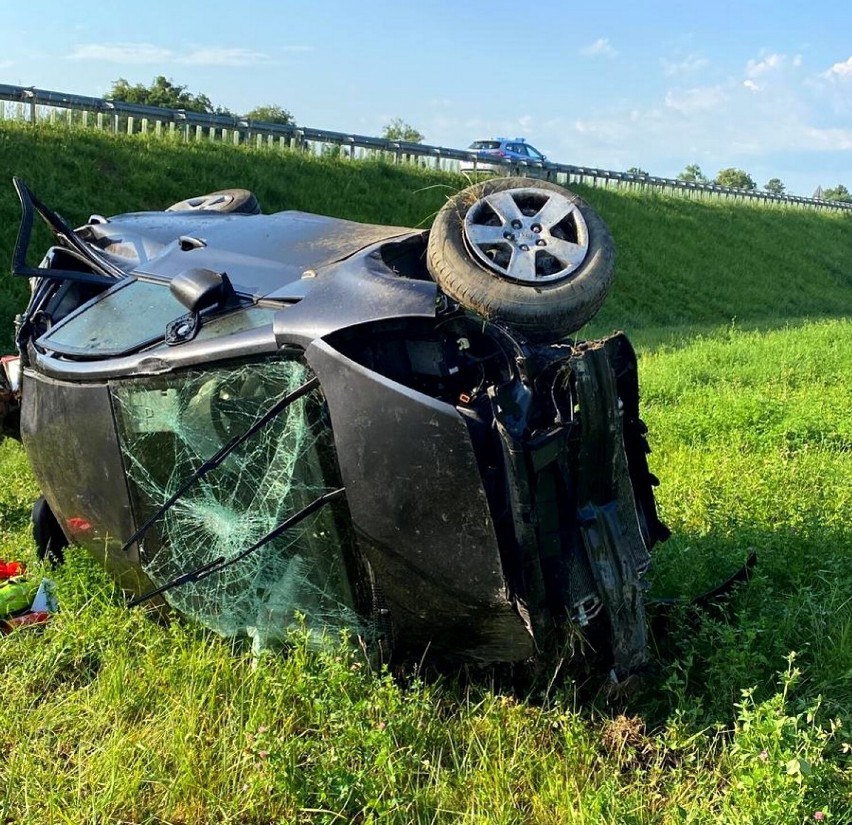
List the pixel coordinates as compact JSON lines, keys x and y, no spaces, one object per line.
{"x":742,"y":320}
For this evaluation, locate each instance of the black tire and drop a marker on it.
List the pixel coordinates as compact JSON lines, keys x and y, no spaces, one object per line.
{"x":547,"y":303}
{"x":239,"y":201}
{"x":49,"y":539}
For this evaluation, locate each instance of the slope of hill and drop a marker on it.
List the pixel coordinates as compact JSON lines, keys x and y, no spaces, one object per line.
{"x":680,"y":261}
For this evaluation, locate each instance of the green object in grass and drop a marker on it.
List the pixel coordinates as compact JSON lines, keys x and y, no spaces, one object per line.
{"x":16,"y":594}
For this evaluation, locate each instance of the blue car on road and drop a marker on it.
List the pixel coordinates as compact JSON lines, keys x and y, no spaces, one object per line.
{"x":504,"y":149}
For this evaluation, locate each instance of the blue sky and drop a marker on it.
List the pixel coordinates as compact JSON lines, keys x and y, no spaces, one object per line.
{"x":763,"y":86}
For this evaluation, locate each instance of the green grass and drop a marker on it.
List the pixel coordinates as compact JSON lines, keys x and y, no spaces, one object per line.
{"x":107,"y":716}
{"x":684,"y":262}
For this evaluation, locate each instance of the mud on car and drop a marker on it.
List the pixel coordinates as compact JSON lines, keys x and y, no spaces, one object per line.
{"x":250,"y":416}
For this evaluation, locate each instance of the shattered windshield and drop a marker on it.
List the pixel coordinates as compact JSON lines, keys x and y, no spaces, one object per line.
{"x":168,"y":426}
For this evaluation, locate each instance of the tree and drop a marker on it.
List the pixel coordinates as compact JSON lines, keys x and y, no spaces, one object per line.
{"x":162,"y":92}
{"x":774,"y":186}
{"x":838,"y":193}
{"x":270,"y":114}
{"x":635,"y":170}
{"x":735,"y":179}
{"x":398,"y":129}
{"x":693,"y":174}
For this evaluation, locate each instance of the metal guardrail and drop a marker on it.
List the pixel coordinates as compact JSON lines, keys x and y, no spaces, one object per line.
{"x":40,"y":104}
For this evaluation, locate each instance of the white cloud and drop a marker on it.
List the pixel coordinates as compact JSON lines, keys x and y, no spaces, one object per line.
{"x":719,"y":125}
{"x":600,"y":48}
{"x":772,"y":62}
{"x":775,"y":72}
{"x":676,"y":68}
{"x":121,"y":53}
{"x":839,"y":71}
{"x":147,"y":53}
{"x":222,"y":57}
{"x":698,"y":99}
{"x":6,"y":64}
{"x":830,"y":140}
{"x":774,"y":117}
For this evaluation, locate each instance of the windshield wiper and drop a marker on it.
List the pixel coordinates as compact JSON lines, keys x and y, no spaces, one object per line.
{"x":220,"y":455}
{"x":221,"y":562}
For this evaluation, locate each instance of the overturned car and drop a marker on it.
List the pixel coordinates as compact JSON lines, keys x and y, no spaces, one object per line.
{"x":251,"y":417}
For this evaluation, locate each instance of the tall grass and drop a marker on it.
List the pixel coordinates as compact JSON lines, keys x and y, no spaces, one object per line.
{"x":107,"y":716}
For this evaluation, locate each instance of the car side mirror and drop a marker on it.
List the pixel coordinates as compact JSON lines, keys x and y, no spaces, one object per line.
{"x":199,"y":288}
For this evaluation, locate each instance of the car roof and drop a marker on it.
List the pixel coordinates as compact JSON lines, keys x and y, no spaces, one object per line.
{"x":501,"y":140}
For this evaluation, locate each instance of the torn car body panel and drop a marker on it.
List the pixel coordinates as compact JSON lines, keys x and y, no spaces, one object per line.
{"x":428,"y":533}
{"x":607,"y":513}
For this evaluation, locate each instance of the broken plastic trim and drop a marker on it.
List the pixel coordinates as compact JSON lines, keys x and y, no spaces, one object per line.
{"x":105,"y":273}
{"x":220,"y":563}
{"x":218,"y":457}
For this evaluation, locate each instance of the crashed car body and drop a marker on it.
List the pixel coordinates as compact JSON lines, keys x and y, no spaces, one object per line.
{"x":255,"y":416}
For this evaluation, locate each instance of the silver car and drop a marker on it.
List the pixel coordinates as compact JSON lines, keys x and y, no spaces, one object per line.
{"x":503,"y":155}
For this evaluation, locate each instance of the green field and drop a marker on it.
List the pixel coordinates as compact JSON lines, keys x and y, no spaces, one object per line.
{"x":741,"y":316}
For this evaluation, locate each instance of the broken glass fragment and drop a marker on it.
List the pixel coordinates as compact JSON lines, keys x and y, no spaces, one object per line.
{"x":168,"y":426}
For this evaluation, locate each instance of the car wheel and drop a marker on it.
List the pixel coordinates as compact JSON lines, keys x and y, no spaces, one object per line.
{"x":49,"y":539}
{"x":529,"y":253}
{"x":240,"y":201}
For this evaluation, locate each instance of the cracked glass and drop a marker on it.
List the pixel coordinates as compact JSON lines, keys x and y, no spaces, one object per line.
{"x":168,"y":426}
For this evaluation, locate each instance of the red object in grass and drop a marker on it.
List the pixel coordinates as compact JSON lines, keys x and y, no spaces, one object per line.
{"x":25,"y":620}
{"x":11,"y":568}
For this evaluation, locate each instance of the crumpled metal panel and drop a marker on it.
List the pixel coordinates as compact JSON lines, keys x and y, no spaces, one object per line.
{"x":416,"y":499}
{"x":607,"y":509}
